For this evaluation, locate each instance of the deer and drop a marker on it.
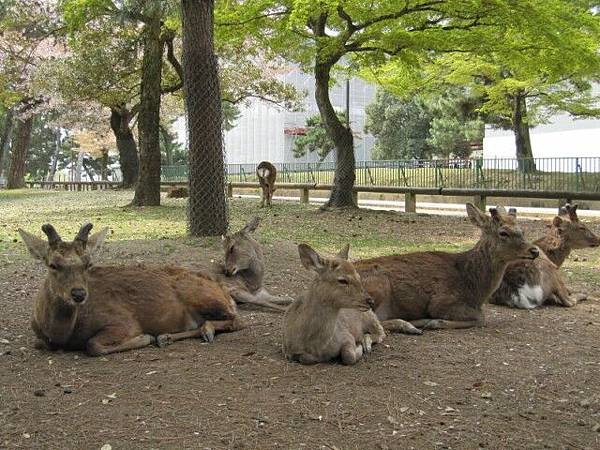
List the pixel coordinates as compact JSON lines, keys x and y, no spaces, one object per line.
{"x":333,"y":318}
{"x":529,"y":284}
{"x":243,"y":271}
{"x":440,"y":290}
{"x":108,"y":309}
{"x":266,"y":173}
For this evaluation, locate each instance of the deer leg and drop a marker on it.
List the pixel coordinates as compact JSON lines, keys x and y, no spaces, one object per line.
{"x":206,"y":331}
{"x":262,"y":197}
{"x":107,"y":342}
{"x":373,"y":327}
{"x":351,"y":353}
{"x":560,"y":293}
{"x":402,"y":326}
{"x":439,"y":324}
{"x":241,"y":296}
{"x":266,"y":295}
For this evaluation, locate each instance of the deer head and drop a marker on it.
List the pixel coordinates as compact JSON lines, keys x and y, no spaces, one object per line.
{"x":242,"y":252}
{"x":337,"y":282}
{"x":573,"y":232}
{"x":501,"y":234}
{"x":68,"y":262}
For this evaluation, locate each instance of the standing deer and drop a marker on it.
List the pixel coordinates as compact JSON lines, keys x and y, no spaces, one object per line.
{"x":333,"y":318}
{"x":433,"y":290}
{"x":242,"y":274}
{"x":266,"y":173}
{"x":107,"y":309}
{"x":529,"y":284}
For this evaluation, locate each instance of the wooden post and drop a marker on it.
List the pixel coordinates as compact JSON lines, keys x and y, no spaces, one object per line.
{"x":229,"y":190}
{"x":355,"y":197}
{"x":410,"y":202}
{"x":479,"y":201}
{"x":304,"y":195}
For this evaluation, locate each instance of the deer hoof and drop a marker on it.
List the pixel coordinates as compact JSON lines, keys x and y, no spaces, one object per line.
{"x":414,"y":330}
{"x":432,"y":325}
{"x":367,"y":343}
{"x":164,"y":340}
{"x":208,"y":332}
{"x":580,"y":297}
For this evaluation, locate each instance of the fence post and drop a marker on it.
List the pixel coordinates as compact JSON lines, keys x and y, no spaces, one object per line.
{"x":355,"y":197}
{"x":410,"y":202}
{"x":229,"y":190}
{"x":479,"y":201}
{"x":304,"y":197}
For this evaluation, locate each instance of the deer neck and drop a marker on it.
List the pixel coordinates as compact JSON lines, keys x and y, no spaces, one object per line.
{"x":556,"y":248}
{"x":318,"y":316}
{"x":56,"y":317}
{"x":253,"y":275}
{"x":482,"y":271}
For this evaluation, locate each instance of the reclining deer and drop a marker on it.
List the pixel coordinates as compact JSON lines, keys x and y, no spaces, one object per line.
{"x":433,"y":290}
{"x":266,"y":173}
{"x":107,"y":309}
{"x":333,"y":318}
{"x":529,"y":284}
{"x":243,"y":272}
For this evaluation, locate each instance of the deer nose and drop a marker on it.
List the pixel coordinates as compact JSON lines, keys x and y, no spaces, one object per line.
{"x":78,"y":295}
{"x":534,"y":251}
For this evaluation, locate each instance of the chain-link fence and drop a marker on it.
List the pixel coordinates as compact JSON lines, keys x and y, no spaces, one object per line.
{"x":207,"y":203}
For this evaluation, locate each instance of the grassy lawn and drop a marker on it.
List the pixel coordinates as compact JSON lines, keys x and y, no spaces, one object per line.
{"x":370,"y":233}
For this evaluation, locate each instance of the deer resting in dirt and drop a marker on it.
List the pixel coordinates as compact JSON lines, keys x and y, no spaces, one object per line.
{"x":529,"y":284}
{"x":433,"y":290}
{"x":107,"y":309}
{"x":243,"y":271}
{"x":266,"y":173}
{"x":333,"y":318}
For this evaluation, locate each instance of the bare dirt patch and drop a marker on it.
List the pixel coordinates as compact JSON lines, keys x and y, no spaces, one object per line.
{"x":528,"y":380}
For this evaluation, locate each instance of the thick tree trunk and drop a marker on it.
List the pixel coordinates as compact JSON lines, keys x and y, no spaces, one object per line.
{"x":128,"y":155}
{"x":20,"y":147}
{"x":207,"y":204}
{"x":54,"y":162}
{"x":343,"y":182}
{"x":520,"y":126}
{"x":147,"y":189}
{"x":5,"y":137}
{"x":104,"y":165}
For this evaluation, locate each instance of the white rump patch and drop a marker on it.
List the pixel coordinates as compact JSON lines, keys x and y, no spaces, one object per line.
{"x":528,"y":297}
{"x":263,"y":172}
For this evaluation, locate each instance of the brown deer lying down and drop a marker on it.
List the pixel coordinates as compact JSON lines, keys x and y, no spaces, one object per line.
{"x":529,"y":284}
{"x":445,"y":290}
{"x":333,"y":317}
{"x":109,"y":309}
{"x":266,"y":173}
{"x":242,"y":274}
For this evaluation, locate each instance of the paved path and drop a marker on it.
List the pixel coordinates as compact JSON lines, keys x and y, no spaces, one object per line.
{"x":447,"y":209}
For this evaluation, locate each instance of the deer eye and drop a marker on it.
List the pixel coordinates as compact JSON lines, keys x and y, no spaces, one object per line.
{"x":342,"y":281}
{"x":53,"y":266}
{"x":503,"y":234}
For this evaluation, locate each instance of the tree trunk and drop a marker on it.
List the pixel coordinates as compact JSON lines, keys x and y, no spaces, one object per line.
{"x":104,"y":165}
{"x":343,"y":182}
{"x":54,"y":161}
{"x":128,"y":155}
{"x":207,"y":204}
{"x":520,"y":126}
{"x":20,"y":146}
{"x":78,"y":167}
{"x":87,"y":170}
{"x":147,"y":189}
{"x":5,"y":137}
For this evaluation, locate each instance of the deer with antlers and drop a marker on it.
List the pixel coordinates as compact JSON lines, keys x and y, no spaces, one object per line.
{"x":107,"y":309}
{"x":529,"y":284}
{"x":433,"y":290}
{"x":333,"y":318}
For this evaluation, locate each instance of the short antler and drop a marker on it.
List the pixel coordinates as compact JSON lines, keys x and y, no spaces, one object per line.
{"x":53,"y":237}
{"x":84,"y":232}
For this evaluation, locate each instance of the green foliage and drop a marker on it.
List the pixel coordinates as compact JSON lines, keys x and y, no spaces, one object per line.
{"x":316,"y":139}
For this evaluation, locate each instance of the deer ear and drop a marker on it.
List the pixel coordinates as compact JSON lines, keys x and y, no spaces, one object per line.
{"x":557,"y":221}
{"x":252,"y":225}
{"x":478,"y":218}
{"x":310,"y":259}
{"x":95,"y":241}
{"x":38,"y":248}
{"x":512,"y":212}
{"x":343,"y":253}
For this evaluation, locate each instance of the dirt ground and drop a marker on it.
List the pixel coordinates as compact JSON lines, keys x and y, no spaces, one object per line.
{"x":528,"y":380}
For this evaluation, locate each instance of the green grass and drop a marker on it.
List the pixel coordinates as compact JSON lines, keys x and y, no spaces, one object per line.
{"x":370,"y":233}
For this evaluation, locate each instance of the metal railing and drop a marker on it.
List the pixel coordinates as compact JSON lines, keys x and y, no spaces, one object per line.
{"x":575,"y":174}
